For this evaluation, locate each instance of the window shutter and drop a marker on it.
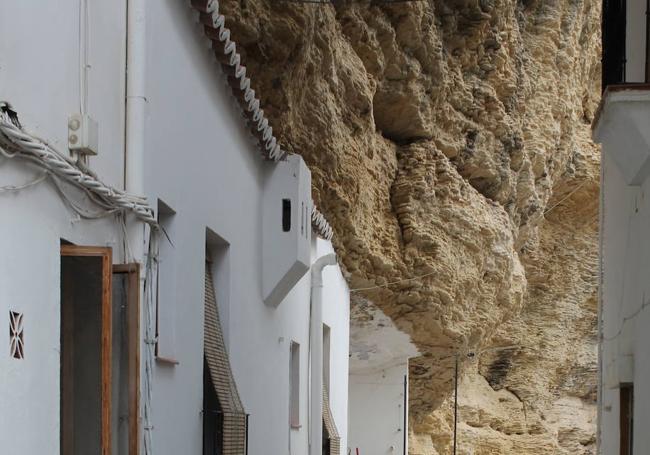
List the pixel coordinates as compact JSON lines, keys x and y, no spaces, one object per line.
{"x":234,"y":416}
{"x":330,"y":426}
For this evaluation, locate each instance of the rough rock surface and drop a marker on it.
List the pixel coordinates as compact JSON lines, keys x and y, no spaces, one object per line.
{"x":449,"y":141}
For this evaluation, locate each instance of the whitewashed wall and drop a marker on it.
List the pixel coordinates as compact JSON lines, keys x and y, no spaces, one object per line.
{"x":32,"y":224}
{"x":40,"y":72}
{"x":39,"y":75}
{"x":626,"y":285}
{"x":377,"y":411}
{"x":201,"y":162}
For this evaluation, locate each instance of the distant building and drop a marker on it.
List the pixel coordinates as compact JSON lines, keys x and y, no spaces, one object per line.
{"x":158,"y":293}
{"x":622,"y":127}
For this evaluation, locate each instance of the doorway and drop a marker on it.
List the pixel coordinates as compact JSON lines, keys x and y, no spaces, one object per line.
{"x":626,"y":419}
{"x":86,"y":335}
{"x":100,"y":353}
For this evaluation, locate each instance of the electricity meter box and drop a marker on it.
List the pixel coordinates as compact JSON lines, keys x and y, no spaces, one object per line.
{"x":286,"y":238}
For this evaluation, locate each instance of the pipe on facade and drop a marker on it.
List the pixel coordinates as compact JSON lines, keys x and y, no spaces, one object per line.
{"x":601,"y":337}
{"x":135,"y":96}
{"x":134,"y":144}
{"x":316,"y":342}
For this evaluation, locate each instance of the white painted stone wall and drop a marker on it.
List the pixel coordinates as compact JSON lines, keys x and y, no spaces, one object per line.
{"x":377,"y":425}
{"x":625,"y":289}
{"x":201,"y":161}
{"x":379,"y":354}
{"x":39,"y":75}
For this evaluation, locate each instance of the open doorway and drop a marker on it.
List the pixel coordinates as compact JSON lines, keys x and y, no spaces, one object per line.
{"x":100,"y":353}
{"x":86,"y":333}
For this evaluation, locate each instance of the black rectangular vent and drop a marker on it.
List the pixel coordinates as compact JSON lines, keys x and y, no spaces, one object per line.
{"x":286,"y":215}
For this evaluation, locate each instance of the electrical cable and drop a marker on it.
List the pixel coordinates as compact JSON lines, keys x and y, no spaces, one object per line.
{"x":567,"y":196}
{"x":220,"y":36}
{"x":393,"y":282}
{"x":15,"y":142}
{"x":627,"y":319}
{"x":149,"y":338}
{"x":12,"y":188}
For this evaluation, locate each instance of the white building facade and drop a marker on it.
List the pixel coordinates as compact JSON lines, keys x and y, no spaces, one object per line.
{"x":111,"y":311}
{"x":622,"y":128}
{"x":378,"y":383}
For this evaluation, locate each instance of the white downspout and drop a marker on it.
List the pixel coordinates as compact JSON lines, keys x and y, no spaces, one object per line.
{"x":135,"y":97}
{"x":601,"y":338}
{"x":134,"y":183}
{"x":316,"y":336}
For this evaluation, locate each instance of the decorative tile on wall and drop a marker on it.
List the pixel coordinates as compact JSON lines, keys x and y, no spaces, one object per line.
{"x":16,"y":336}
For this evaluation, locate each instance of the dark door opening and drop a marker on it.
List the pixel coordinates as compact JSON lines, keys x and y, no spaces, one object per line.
{"x":627,"y":418}
{"x":212,"y":416}
{"x":86,"y":336}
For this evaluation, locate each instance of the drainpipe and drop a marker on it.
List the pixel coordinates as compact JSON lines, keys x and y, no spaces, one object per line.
{"x":134,"y":142}
{"x":601,"y":338}
{"x":316,"y":335}
{"x":135,"y":97}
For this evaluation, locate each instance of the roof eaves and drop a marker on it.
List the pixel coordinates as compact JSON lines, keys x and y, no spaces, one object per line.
{"x":225,"y":50}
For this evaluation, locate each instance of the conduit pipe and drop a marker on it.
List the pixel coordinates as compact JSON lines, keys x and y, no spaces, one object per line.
{"x":135,"y":96}
{"x":316,"y":342}
{"x":136,"y":102}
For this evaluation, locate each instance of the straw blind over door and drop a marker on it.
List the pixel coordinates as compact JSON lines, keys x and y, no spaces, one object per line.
{"x":330,"y":427}
{"x":234,"y":416}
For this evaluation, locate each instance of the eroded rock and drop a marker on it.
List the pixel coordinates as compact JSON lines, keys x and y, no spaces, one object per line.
{"x":449,"y":141}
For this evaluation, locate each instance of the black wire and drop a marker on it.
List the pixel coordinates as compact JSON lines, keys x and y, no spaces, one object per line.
{"x":455,"y":402}
{"x":327,"y":2}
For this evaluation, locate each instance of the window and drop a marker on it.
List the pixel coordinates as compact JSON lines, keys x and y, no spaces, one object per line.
{"x":166,"y":289}
{"x":326,"y":356}
{"x":613,"y":31}
{"x":294,"y":386}
{"x":225,"y":423}
{"x":627,"y":418}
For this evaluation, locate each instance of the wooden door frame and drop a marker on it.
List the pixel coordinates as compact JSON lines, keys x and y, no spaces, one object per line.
{"x":106,"y":255}
{"x":133,"y":333}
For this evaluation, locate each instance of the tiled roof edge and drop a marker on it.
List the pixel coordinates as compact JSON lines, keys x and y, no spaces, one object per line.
{"x":225,"y":50}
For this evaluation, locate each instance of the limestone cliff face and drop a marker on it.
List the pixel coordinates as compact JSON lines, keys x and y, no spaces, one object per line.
{"x":449,"y":141}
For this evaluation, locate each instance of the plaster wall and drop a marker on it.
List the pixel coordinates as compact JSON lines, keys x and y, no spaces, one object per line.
{"x":40,"y":72}
{"x":625,"y":293}
{"x":377,"y":411}
{"x":202,"y":163}
{"x":39,"y":75}
{"x":32,"y":224}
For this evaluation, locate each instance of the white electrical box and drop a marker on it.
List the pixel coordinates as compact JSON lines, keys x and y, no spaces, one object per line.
{"x":82,"y":135}
{"x":286,"y":238}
